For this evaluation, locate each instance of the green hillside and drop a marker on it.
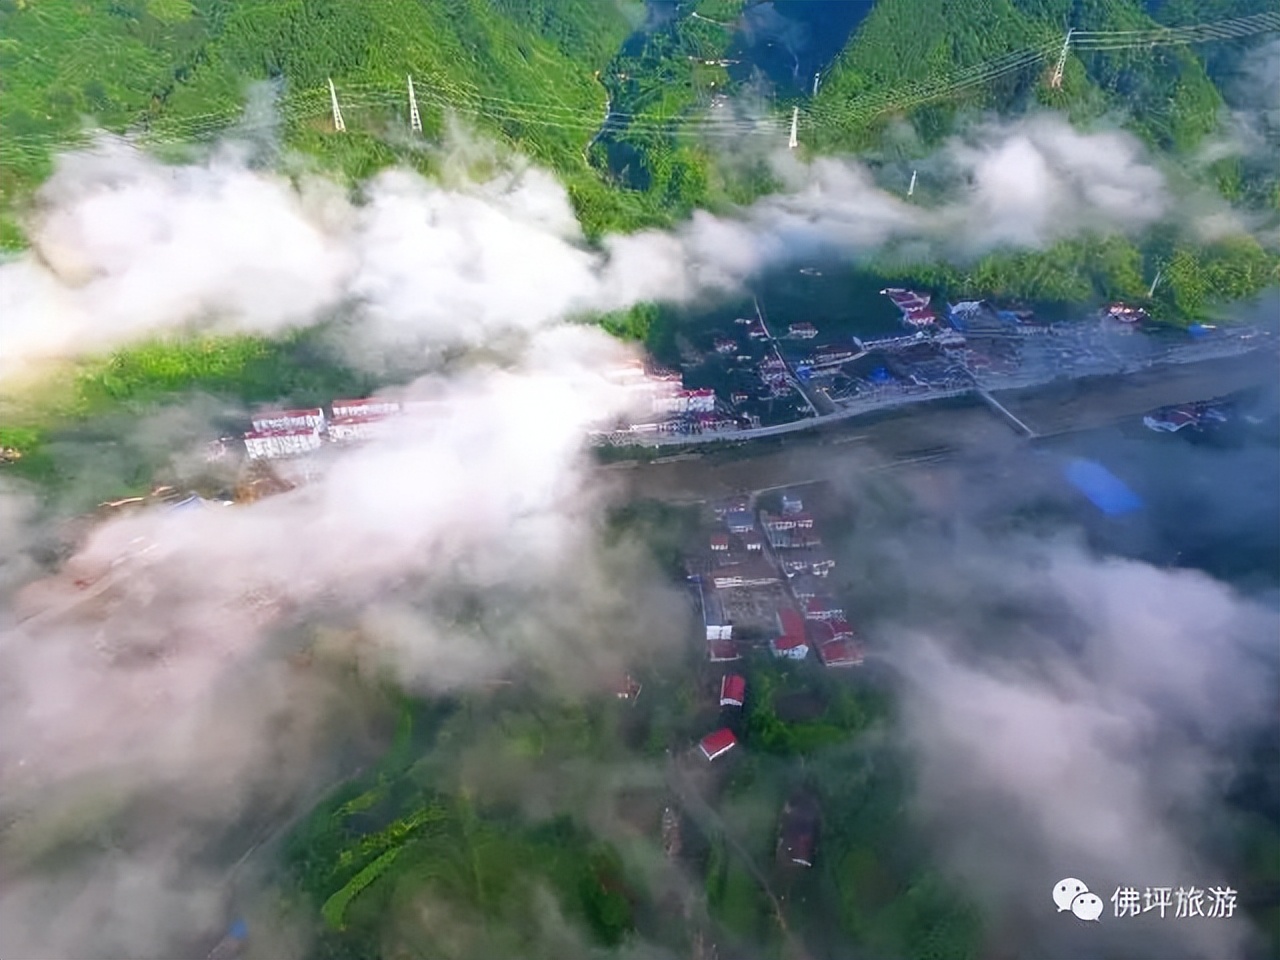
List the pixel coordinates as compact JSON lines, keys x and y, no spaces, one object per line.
{"x":180,"y":70}
{"x":999,"y":56}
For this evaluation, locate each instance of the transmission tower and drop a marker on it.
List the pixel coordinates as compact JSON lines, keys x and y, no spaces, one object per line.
{"x":815,"y":83}
{"x":1154,"y":283}
{"x":1056,"y":81}
{"x":337,"y":114}
{"x":795,"y":123}
{"x":415,"y":119}
{"x":912,"y":189}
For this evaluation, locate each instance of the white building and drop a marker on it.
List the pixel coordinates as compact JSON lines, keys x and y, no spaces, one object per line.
{"x":271,"y":444}
{"x":700,"y":401}
{"x":674,"y":401}
{"x":347,"y":429}
{"x":368,"y":407}
{"x":277,"y":420}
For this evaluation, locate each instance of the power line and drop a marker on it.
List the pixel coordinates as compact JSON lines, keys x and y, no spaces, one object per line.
{"x":338,"y":125}
{"x":415,"y":119}
{"x":465,"y":98}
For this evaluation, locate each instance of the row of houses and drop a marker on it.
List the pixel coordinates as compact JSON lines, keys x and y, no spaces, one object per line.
{"x":780,"y":555}
{"x":291,"y":433}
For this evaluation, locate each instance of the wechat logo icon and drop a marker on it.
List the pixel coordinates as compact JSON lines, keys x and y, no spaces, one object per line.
{"x":1072,"y":894}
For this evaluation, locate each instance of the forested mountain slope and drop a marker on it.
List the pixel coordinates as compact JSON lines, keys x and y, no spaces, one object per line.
{"x":181,"y":69}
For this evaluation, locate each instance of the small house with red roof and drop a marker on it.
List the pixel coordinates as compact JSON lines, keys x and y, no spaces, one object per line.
{"x":722,"y":650}
{"x":281,"y":420}
{"x":733,"y":690}
{"x":366,"y":407}
{"x":287,"y":442}
{"x":791,"y":641}
{"x":840,"y":653}
{"x":717,"y":744}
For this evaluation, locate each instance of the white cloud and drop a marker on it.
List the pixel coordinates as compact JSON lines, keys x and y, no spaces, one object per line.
{"x":124,"y":246}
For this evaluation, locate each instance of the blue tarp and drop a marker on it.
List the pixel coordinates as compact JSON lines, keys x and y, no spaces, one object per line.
{"x":1104,"y":489}
{"x":239,"y":931}
{"x":881,"y":375}
{"x":804,"y":373}
{"x":1197,"y":331}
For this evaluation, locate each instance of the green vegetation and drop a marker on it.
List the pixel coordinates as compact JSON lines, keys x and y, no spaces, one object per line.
{"x":1165,"y":94}
{"x":101,"y":400}
{"x":522,"y":70}
{"x":794,"y":710}
{"x":437,"y":850}
{"x":380,"y":855}
{"x":1195,"y":280}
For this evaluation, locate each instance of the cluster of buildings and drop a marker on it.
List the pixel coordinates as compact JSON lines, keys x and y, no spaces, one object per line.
{"x":666,"y":405}
{"x":766,"y":572}
{"x":915,"y":308}
{"x":751,"y":378}
{"x":292,"y":433}
{"x":1197,"y":416}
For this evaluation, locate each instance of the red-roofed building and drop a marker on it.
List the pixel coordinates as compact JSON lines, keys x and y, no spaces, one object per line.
{"x":278,"y":420}
{"x":700,"y":401}
{"x":818,"y":632}
{"x":368,"y":407}
{"x":733,"y":690}
{"x":840,"y":653}
{"x":718,"y":744}
{"x":840,"y":627}
{"x":790,"y":642}
{"x":919,"y":316}
{"x":915,"y":308}
{"x":722,"y":651}
{"x":345,"y":429}
{"x":720,"y":541}
{"x":270,"y":444}
{"x":793,"y":648}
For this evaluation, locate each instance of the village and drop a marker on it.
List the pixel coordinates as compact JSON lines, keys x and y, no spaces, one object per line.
{"x":277,"y":434}
{"x":751,"y":380}
{"x":759,"y":581}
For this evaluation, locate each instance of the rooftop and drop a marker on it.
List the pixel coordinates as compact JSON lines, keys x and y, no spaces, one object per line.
{"x":288,"y":414}
{"x":733,"y":689}
{"x":716,"y":744}
{"x":791,"y":623}
{"x":284,"y":432}
{"x":722,"y":651}
{"x":788,"y":642}
{"x":840,"y":653}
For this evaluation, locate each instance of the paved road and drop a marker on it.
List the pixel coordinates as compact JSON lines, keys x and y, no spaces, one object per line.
{"x":1179,"y":367}
{"x":900,"y":437}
